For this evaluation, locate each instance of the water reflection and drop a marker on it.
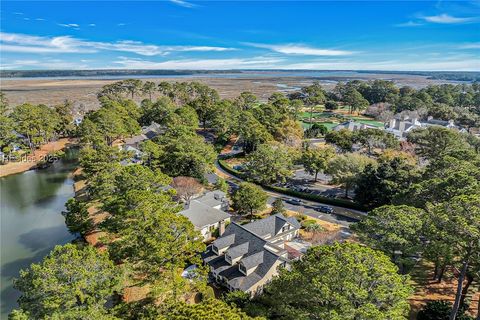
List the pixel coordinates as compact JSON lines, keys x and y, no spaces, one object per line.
{"x":31,"y":220}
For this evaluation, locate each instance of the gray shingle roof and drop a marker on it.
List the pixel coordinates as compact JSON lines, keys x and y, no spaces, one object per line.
{"x":253,"y":260}
{"x":271,"y":225}
{"x":213,"y":198}
{"x":238,"y":251}
{"x":248,"y":242}
{"x":202,"y":215}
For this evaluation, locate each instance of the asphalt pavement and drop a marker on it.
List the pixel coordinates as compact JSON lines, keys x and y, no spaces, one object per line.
{"x":342,"y":216}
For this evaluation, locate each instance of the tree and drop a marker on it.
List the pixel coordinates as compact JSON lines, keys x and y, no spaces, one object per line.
{"x":149,"y":87}
{"x":331,"y":105}
{"x":316,"y":131}
{"x":354,"y":100}
{"x":77,"y":217}
{"x":245,"y":101}
{"x":158,"y":112}
{"x":270,"y":163}
{"x":183,"y":153}
{"x":343,"y":139}
{"x":208,"y":309}
{"x":458,"y":223}
{"x":315,"y":160}
{"x":187,"y":188}
{"x":440,"y":310}
{"x":204,"y":101}
{"x":340,"y":281}
{"x":313,"y":95}
{"x":278,"y":207}
{"x":346,"y":168}
{"x":69,"y":279}
{"x":252,"y":132}
{"x":132,"y":86}
{"x":379,"y":185}
{"x":249,"y":199}
{"x":435,"y":142}
{"x":395,"y":230}
{"x":38,"y":123}
{"x":65,"y":121}
{"x":443,"y":179}
{"x":289,"y":132}
{"x":158,"y":245}
{"x":376,"y":138}
{"x":221,"y":185}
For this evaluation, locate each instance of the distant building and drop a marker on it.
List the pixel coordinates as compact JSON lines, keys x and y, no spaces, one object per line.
{"x":401,"y":127}
{"x":246,"y":257}
{"x":148,"y":133}
{"x":352,"y":126}
{"x":207,"y":213}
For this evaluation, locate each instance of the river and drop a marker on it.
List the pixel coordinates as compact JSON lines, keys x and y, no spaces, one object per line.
{"x":31,"y":220}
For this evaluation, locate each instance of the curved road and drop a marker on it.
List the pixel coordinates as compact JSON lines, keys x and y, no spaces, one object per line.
{"x":342,"y":216}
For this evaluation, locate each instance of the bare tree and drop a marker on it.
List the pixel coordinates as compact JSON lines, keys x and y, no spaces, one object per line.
{"x":187,"y":188}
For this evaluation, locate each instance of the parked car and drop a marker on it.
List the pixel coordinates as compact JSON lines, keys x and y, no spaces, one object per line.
{"x":294,"y":201}
{"x":324,"y":209}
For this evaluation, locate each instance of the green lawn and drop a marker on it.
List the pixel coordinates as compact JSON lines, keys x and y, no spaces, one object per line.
{"x":331,"y":120}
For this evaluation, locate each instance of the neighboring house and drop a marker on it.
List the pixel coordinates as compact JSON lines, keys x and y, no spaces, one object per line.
{"x":207,"y":213}
{"x":148,"y":132}
{"x":246,"y":257}
{"x":401,"y":127}
{"x":352,"y":126}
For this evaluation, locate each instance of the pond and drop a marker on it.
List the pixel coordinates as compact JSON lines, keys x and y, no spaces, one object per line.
{"x":31,"y":220}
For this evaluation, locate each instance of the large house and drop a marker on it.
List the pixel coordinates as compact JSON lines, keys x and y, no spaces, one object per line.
{"x":352,"y":126}
{"x":207,"y":213}
{"x":246,"y":257}
{"x":401,"y":127}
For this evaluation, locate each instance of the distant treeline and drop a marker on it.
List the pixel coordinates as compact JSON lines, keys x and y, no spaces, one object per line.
{"x":437,"y":75}
{"x":110,"y":72}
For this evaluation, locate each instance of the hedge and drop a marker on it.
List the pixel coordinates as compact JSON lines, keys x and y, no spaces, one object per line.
{"x":297,"y":194}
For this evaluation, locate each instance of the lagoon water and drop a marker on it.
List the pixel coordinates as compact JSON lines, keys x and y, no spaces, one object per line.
{"x":31,"y":220}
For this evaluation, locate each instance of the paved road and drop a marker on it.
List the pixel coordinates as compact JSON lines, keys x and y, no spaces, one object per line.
{"x":341,"y":216}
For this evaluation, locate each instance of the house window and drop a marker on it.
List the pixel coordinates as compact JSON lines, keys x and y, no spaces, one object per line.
{"x":285,"y":228}
{"x":228,"y":259}
{"x":242,"y":269}
{"x":215,"y":249}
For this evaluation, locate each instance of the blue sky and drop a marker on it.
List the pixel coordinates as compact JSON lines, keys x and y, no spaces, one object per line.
{"x":176,"y":34}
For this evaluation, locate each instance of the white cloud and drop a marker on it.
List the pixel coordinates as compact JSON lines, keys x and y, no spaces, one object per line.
{"x":184,"y":4}
{"x":92,"y":25}
{"x":13,"y":42}
{"x":298,"y":49}
{"x":475,"y":45}
{"x":69,"y":25}
{"x":201,"y":64}
{"x":121,"y":24}
{"x":409,"y":24}
{"x":40,"y":64}
{"x":40,"y":19}
{"x":447,"y":19}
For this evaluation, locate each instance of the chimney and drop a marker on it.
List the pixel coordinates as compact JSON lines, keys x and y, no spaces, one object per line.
{"x":221,"y":230}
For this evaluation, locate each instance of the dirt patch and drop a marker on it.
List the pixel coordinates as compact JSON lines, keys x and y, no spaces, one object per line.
{"x":427,"y":289}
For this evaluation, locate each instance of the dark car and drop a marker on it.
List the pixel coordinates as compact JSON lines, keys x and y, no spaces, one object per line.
{"x":294,"y":201}
{"x":324,"y":209}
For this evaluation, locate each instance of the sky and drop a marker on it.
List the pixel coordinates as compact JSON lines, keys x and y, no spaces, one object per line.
{"x":180,"y":34}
